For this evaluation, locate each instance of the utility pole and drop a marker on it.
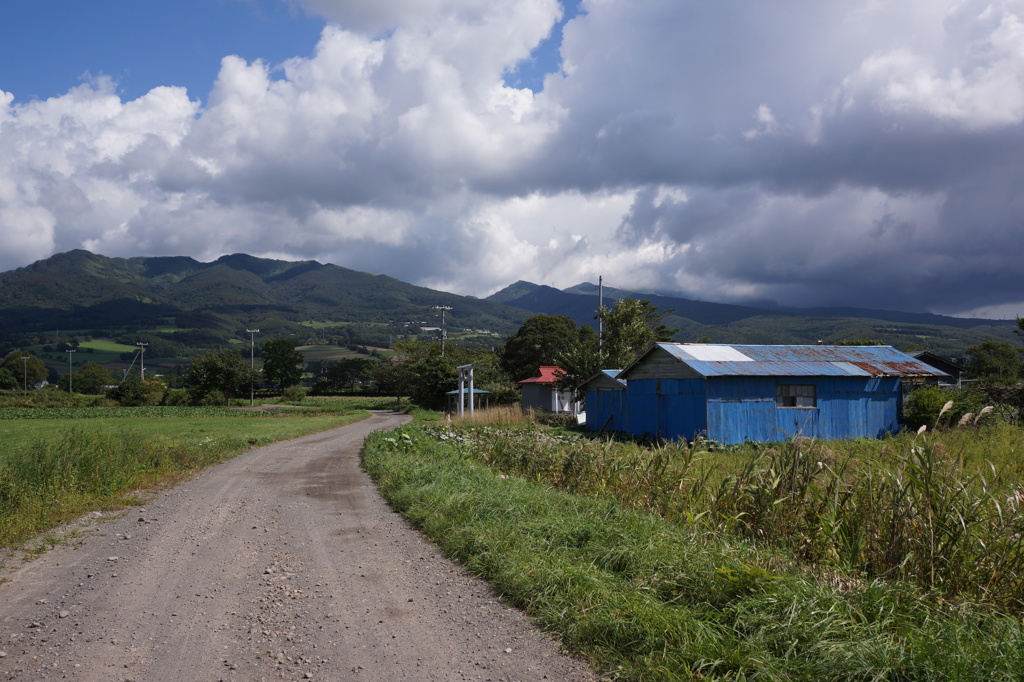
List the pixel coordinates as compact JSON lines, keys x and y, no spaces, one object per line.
{"x":252,"y":363}
{"x":24,"y":360}
{"x":142,"y":359}
{"x":444,"y":333}
{"x":600,"y":320}
{"x":71,"y":373}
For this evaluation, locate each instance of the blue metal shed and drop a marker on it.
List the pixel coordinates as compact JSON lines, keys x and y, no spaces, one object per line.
{"x":733,"y":394}
{"x":605,"y":401}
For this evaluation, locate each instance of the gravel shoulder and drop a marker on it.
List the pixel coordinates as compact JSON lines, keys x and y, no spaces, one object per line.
{"x":283,"y":563}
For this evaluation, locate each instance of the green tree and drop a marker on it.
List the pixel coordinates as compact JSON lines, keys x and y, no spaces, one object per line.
{"x":346,"y":373}
{"x":90,"y":378}
{"x":7,"y":379}
{"x":537,"y":342}
{"x":629,"y":328}
{"x":392,"y":377}
{"x":221,"y":370}
{"x":282,"y":364}
{"x":430,"y":376}
{"x":994,"y":362}
{"x":579,"y":360}
{"x":24,"y":371}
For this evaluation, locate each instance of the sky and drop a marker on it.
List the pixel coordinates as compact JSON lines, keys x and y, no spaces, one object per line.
{"x":863,"y":153}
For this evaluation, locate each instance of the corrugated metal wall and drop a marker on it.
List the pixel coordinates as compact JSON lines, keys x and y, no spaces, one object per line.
{"x":737,"y":409}
{"x":606,"y":410}
{"x":667,"y":408}
{"x":847,"y":407}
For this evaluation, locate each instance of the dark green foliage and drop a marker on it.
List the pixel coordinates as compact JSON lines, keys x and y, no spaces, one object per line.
{"x":923,"y":405}
{"x":431,"y":376}
{"x":282,"y":364}
{"x":223,"y":371}
{"x":133,"y":392}
{"x":7,"y":379}
{"x":630,"y":326}
{"x":90,"y":378}
{"x":347,"y":373}
{"x":293,"y":394}
{"x":579,"y":359}
{"x":24,"y":371}
{"x":539,"y":341}
{"x":994,"y":362}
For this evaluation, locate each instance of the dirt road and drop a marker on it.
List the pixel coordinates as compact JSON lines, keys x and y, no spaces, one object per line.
{"x":283,"y":563}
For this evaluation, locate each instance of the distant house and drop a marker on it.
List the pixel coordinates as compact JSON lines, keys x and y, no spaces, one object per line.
{"x":605,"y":401}
{"x":954,"y":369}
{"x":541,"y":392}
{"x":734,"y":394}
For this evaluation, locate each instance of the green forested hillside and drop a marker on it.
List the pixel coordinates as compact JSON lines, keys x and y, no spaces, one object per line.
{"x":206,"y":304}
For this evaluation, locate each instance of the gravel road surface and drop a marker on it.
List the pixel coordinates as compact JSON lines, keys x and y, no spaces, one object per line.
{"x":283,"y":563}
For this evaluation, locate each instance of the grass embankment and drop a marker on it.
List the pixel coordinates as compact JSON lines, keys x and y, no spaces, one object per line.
{"x":663,"y":565}
{"x":58,"y":463}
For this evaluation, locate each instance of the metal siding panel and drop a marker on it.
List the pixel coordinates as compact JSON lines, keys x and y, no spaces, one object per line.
{"x":858,"y":408}
{"x":596,"y":412}
{"x":741,"y":409}
{"x":643,"y":415}
{"x":687,"y":409}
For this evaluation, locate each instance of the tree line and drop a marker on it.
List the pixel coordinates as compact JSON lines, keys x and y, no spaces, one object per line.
{"x":424,"y":371}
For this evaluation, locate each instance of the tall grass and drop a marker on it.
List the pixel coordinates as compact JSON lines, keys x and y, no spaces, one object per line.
{"x":912,"y":508}
{"x":648,"y":598}
{"x":502,"y":415}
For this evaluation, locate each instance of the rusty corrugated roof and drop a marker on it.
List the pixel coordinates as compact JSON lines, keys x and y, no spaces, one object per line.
{"x":711,"y":360}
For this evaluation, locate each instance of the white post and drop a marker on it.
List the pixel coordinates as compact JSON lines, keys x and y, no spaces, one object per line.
{"x":465,"y":374}
{"x":252,"y":363}
{"x":142,"y":359}
{"x":71,"y":374}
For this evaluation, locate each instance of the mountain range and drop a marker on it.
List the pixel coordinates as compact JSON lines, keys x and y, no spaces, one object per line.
{"x":210,"y":304}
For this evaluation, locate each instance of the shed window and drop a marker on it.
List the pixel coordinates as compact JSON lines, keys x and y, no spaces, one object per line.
{"x":796,"y":395}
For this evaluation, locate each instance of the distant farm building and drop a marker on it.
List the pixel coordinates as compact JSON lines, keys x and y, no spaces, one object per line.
{"x":605,"y":401}
{"x":733,"y":394}
{"x":954,"y":369}
{"x":541,"y":392}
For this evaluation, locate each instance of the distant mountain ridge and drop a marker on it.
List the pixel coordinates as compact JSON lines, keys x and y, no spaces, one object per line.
{"x":79,"y":290}
{"x":213,"y":303}
{"x":728,"y":323}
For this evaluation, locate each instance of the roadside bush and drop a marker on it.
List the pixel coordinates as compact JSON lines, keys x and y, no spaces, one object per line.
{"x":321,"y":387}
{"x":923,"y":406}
{"x":176,"y":397}
{"x":133,"y":392}
{"x":212,"y":398}
{"x":293,"y":394}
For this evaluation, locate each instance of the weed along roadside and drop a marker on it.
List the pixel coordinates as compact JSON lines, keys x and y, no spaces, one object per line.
{"x":803,"y":560}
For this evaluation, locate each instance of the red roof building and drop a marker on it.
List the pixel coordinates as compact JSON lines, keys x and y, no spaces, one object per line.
{"x":540,"y":392}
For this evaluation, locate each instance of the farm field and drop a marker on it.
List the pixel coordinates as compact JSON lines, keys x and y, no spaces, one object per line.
{"x":315,"y":353}
{"x":56,"y":463}
{"x":894,"y":559}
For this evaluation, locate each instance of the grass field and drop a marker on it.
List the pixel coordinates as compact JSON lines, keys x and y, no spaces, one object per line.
{"x":893,"y":560}
{"x":61,"y":462}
